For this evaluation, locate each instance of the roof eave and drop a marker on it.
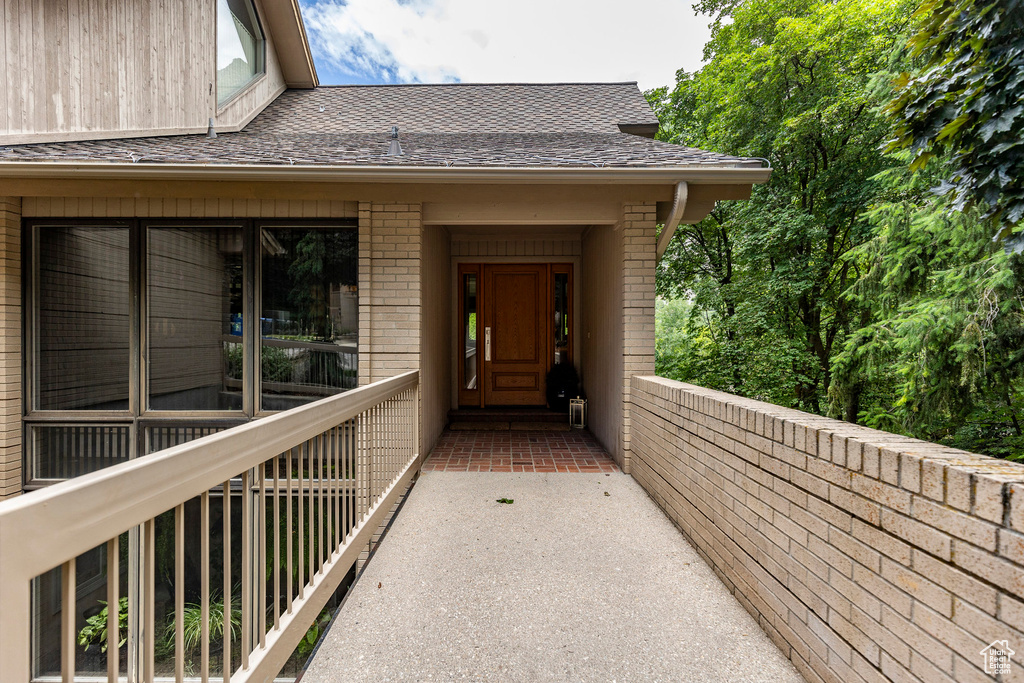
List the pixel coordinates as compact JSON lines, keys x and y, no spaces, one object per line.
{"x":387,"y":174}
{"x":291,"y":44}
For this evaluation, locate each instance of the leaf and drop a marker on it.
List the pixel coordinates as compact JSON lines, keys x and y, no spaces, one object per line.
{"x":505,"y":501}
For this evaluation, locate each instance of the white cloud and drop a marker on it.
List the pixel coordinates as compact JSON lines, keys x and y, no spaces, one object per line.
{"x":526,"y":40}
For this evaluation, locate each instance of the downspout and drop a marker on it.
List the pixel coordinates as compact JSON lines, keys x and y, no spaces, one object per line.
{"x":674,"y":217}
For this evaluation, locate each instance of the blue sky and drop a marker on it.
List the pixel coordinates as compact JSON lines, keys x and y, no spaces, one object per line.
{"x":484,"y":41}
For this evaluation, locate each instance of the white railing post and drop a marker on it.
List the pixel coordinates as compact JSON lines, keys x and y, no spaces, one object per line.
{"x":15,"y":635}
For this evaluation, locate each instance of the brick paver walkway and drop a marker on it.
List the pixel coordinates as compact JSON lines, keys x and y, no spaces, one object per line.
{"x":515,"y":451}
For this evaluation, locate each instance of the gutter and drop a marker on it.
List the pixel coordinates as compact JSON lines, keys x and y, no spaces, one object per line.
{"x":675,"y":215}
{"x":727,"y":175}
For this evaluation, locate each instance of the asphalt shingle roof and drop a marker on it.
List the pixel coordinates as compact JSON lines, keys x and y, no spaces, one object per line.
{"x":500,"y":125}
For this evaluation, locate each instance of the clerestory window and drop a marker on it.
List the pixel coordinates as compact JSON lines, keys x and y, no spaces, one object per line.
{"x":241,"y":48}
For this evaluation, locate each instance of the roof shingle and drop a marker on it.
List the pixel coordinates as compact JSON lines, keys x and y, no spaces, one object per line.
{"x":501,"y":125}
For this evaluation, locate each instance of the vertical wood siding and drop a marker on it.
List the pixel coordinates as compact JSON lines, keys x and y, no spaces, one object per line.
{"x":75,"y":69}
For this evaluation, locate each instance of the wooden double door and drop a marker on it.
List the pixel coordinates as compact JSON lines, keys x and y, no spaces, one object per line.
{"x":516,"y":323}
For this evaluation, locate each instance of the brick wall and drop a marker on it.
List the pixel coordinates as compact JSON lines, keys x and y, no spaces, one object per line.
{"x":864,"y":555}
{"x":389,"y":289}
{"x":639,"y":243}
{"x":10,"y":347}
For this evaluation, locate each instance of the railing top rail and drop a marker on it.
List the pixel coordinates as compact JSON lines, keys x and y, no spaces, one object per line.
{"x":48,"y":527}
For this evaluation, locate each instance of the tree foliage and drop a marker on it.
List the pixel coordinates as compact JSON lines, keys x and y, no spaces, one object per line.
{"x":847,"y":285}
{"x":966,"y":102}
{"x":786,"y":80}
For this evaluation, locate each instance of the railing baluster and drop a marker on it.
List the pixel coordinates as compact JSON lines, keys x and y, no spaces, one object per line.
{"x":261,"y":584}
{"x":227,"y":597}
{"x":310,"y":557}
{"x":68,"y":581}
{"x":148,"y":600}
{"x":348,"y":476}
{"x":288,"y":530}
{"x":321,"y":516}
{"x":247,"y":597}
{"x":204,"y":589}
{"x":277,"y":542}
{"x":179,"y":594}
{"x":301,"y":576}
{"x":113,"y":609}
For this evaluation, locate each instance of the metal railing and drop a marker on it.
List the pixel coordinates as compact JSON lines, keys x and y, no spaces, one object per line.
{"x":325,"y":475}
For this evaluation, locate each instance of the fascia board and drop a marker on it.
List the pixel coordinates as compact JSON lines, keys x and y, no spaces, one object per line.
{"x":385,"y":174}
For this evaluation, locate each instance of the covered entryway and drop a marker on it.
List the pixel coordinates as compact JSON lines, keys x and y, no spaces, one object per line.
{"x":515,"y":325}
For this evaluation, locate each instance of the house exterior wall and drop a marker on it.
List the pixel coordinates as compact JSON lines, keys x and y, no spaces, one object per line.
{"x":602,"y":343}
{"x":618,"y":314}
{"x":436,"y":340}
{"x":865,"y":556}
{"x":93,"y":69}
{"x":10,"y":347}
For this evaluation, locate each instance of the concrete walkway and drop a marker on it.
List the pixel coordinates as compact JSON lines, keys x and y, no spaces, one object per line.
{"x":582,"y":578}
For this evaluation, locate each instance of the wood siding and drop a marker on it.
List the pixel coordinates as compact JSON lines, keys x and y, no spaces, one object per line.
{"x":117,"y":207}
{"x":94,"y":69}
{"x":10,"y":347}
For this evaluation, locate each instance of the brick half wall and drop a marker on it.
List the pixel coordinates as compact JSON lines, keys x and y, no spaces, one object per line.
{"x":864,"y":555}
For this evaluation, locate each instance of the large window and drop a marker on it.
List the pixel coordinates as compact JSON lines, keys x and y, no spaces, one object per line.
{"x":145,"y":334}
{"x":240,"y":47}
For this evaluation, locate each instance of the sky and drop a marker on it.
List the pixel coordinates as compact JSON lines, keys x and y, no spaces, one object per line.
{"x":486,"y":41}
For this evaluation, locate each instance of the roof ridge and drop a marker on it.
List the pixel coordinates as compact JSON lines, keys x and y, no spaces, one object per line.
{"x":440,"y":85}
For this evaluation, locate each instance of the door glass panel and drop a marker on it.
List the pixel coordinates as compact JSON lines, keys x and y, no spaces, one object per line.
{"x":309,"y":325}
{"x":83,"y":341}
{"x":469,"y":310}
{"x":561,"y":317}
{"x":195,"y":318}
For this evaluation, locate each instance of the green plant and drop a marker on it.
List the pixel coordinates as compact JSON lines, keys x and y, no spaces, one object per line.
{"x":308,"y":641}
{"x":192,"y":623}
{"x":95,"y":629}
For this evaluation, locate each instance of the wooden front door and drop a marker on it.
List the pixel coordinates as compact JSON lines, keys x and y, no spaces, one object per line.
{"x":514,"y":321}
{"x":516,"y":325}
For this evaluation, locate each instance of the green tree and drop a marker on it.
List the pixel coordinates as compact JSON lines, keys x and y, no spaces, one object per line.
{"x":945,"y":349}
{"x":789,"y":81}
{"x":965,"y":103}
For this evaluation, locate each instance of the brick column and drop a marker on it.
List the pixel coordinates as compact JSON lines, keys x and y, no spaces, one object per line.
{"x":389,"y":289}
{"x":10,"y":347}
{"x":639,"y":241}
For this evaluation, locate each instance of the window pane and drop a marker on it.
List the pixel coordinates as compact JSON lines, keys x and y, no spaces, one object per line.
{"x":195,"y":314}
{"x":65,"y":451}
{"x":239,"y":47}
{"x":310,"y":314}
{"x":469,"y":330}
{"x":562,"y":321}
{"x":83,"y":330}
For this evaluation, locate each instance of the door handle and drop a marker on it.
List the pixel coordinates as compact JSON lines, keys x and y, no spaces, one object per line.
{"x":487,"y":344}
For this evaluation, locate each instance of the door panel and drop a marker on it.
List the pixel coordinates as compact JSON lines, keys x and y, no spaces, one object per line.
{"x":516,"y":313}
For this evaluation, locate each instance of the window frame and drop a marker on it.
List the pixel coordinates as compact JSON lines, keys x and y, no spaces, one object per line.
{"x":139,"y":417}
{"x":261,"y":58}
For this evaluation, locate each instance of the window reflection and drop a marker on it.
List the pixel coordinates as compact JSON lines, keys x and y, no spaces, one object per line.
{"x":195,"y":313}
{"x":240,"y":47}
{"x":83,"y":328}
{"x":309,"y":323}
{"x":561,"y":322}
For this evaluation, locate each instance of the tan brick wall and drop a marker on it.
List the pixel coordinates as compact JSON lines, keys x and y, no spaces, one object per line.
{"x":390,"y":294}
{"x":865,"y":556}
{"x":639,"y":245}
{"x":10,"y":347}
